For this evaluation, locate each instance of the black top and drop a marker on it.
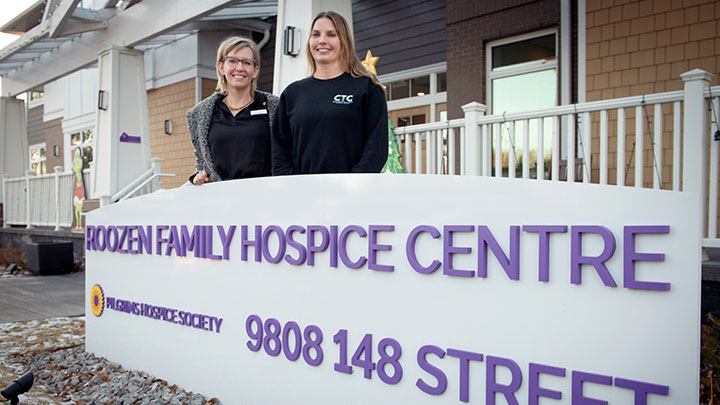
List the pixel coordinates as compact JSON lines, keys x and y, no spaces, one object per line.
{"x":240,"y":144}
{"x":339,"y":125}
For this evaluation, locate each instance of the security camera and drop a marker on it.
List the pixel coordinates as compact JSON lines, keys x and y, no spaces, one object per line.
{"x":18,"y":387}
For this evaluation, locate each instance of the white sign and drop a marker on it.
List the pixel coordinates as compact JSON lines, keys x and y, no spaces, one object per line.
{"x":360,"y":289}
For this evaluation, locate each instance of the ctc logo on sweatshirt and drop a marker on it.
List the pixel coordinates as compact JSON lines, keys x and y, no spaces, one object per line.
{"x":343,"y":99}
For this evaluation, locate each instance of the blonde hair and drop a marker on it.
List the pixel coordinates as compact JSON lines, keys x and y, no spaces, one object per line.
{"x":224,"y":49}
{"x":349,"y":62}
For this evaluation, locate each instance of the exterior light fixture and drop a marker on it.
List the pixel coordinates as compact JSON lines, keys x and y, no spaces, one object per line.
{"x":168,"y":127}
{"x":56,"y":150}
{"x":102,"y":100}
{"x":291,"y":41}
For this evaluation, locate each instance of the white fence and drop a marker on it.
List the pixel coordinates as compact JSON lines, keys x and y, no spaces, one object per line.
{"x":49,"y":197}
{"x":655,"y":141}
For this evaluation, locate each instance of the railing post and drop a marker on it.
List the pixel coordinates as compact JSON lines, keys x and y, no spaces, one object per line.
{"x":4,"y":201}
{"x":104,"y":200}
{"x":28,"y":173}
{"x":155,"y":164}
{"x":473,"y":162}
{"x":57,"y":171}
{"x":696,"y":138}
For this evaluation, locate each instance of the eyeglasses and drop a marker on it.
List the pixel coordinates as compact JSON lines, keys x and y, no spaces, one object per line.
{"x":246,"y":63}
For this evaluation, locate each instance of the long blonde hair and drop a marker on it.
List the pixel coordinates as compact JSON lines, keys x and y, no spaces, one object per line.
{"x":349,"y":62}
{"x":224,"y":49}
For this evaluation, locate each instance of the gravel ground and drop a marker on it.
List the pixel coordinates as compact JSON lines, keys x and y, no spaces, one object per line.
{"x":54,"y":350}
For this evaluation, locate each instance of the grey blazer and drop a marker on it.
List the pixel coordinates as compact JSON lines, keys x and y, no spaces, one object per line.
{"x":198,"y":119}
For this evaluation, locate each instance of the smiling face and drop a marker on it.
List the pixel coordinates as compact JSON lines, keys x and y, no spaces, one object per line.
{"x":238,"y":73}
{"x":324,"y":42}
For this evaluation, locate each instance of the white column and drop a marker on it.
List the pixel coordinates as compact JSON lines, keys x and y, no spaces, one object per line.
{"x":696,"y":137}
{"x":13,"y":137}
{"x":299,"y":14}
{"x":155,"y":164}
{"x":120,"y":159}
{"x":4,"y":201}
{"x":473,"y":162}
{"x":28,"y":217}
{"x":58,"y":208}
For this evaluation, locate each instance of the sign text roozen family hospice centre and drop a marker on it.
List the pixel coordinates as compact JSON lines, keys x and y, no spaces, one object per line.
{"x":471,"y":295}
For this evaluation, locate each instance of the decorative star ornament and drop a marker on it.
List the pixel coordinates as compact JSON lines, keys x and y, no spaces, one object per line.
{"x":370,"y":62}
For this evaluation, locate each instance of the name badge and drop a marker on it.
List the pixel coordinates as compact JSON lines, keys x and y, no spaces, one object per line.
{"x":258,"y":112}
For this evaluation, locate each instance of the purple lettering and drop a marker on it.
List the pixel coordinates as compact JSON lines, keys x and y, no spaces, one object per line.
{"x":245,"y":242}
{"x":642,"y":389}
{"x":145,"y":239}
{"x":342,"y":246}
{"x":159,"y":239}
{"x":374,"y":247}
{"x":577,"y":259}
{"x":112,"y":243}
{"x":578,"y":378}
{"x":121,"y":240}
{"x":432,"y":370}
{"x":266,"y":246}
{"x":630,"y":256}
{"x":296,"y":245}
{"x":191,"y":241}
{"x":333,"y":245}
{"x":410,"y":248}
{"x":173,"y":242}
{"x":492,"y":385}
{"x":465,"y":358}
{"x":312,"y":248}
{"x":535,"y":390}
{"x":209,"y":244}
{"x":544,"y":232}
{"x":510,"y":264}
{"x":449,"y":250}
{"x":90,"y":237}
{"x":225,"y":239}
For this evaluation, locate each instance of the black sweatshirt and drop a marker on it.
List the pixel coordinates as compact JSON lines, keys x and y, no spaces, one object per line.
{"x":337,"y":125}
{"x":240,"y":144}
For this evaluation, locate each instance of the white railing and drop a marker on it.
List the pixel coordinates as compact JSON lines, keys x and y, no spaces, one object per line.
{"x":632,"y":141}
{"x":47,"y":200}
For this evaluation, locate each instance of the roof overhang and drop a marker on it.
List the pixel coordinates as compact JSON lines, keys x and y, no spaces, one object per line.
{"x":69,"y":38}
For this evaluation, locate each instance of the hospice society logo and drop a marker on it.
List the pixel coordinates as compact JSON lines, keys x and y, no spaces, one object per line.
{"x":97,"y":300}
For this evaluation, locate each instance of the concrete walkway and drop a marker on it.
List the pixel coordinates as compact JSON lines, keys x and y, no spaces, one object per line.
{"x":39,"y":297}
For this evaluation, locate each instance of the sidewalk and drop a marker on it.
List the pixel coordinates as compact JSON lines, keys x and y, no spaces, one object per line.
{"x":39,"y":297}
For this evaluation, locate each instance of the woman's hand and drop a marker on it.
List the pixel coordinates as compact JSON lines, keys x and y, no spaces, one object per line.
{"x":201,"y":178}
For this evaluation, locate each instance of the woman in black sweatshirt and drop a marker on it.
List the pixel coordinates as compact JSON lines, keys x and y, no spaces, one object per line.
{"x":334,"y":121}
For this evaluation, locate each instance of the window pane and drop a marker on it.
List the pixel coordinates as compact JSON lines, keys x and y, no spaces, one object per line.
{"x":525,"y":92}
{"x":442,"y":82}
{"x":75,"y":138}
{"x":418,"y":119}
{"x":43,"y":168}
{"x":87,"y":135}
{"x":420,"y":86}
{"x":400,"y":89}
{"x":42,"y":153}
{"x":35,"y":154}
{"x":35,"y":167}
{"x":524,"y":51}
{"x":87,"y":156}
{"x":403,"y":121}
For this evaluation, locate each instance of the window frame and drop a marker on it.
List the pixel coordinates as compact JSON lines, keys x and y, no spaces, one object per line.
{"x":41,"y":145}
{"x":522,"y":69}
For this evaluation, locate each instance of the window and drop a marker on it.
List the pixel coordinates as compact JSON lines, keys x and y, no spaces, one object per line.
{"x":414,"y":87}
{"x":38,"y":163}
{"x":523,"y":76}
{"x":84,"y":140}
{"x":36,"y":95}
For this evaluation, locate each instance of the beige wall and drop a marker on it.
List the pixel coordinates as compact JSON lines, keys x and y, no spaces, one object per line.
{"x":176,"y":151}
{"x":642,"y":47}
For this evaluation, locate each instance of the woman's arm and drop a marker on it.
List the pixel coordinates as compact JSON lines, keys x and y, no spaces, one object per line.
{"x":281,"y":137}
{"x":375,"y":152}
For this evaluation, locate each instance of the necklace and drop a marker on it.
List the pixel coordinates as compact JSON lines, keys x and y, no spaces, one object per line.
{"x":237,"y":109}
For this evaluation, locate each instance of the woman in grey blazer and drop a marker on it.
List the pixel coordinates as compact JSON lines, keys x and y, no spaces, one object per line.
{"x":230,"y":130}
